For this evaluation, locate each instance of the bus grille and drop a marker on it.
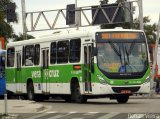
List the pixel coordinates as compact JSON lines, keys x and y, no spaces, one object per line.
{"x":119,"y":89}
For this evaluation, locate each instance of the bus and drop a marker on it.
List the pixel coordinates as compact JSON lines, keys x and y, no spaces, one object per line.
{"x":75,"y":65}
{"x":2,"y":72}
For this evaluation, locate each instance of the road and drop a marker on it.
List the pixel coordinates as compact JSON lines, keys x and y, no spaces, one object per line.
{"x":100,"y":109}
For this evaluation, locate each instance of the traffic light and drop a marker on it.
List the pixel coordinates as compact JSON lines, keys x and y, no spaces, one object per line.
{"x":112,"y":13}
{"x":70,"y":14}
{"x":11,"y":15}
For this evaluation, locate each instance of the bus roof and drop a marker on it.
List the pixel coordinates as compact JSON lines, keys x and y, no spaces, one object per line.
{"x":67,"y":34}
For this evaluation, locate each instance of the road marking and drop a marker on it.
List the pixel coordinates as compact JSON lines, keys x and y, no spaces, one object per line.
{"x":93,"y":112}
{"x":61,"y":116}
{"x":74,"y":115}
{"x":108,"y":116}
{"x":72,"y":112}
{"x":51,"y":112}
{"x":37,"y":116}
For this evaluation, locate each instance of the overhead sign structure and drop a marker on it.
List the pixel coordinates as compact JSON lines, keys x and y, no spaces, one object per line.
{"x":11,"y":14}
{"x":112,"y":13}
{"x":74,"y":16}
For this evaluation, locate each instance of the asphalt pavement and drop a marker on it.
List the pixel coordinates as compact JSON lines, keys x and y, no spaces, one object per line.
{"x":16,"y":106}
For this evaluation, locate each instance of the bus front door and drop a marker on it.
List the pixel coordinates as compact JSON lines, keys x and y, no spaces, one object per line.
{"x":87,"y":68}
{"x":45,"y":71}
{"x":18,"y":73}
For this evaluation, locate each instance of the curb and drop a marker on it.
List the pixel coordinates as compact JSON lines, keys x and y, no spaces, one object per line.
{"x":145,"y":97}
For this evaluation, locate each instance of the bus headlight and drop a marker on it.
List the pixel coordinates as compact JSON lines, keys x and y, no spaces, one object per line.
{"x":148,"y":79}
{"x":101,"y":79}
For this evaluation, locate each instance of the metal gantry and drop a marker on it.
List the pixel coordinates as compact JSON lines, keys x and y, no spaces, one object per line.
{"x":83,"y":17}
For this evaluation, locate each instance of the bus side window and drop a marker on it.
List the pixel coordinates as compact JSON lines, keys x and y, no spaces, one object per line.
{"x":62,"y":51}
{"x":75,"y":50}
{"x":53,"y":50}
{"x":10,"y":57}
{"x":29,"y":55}
{"x":36,"y":54}
{"x":23,"y":56}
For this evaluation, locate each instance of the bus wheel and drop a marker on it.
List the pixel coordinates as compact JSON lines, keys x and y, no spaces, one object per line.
{"x":76,"y":94}
{"x":67,"y":98}
{"x":122,"y":99}
{"x":30,"y":91}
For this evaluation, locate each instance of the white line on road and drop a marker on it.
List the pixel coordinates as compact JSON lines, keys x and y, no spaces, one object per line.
{"x":108,"y":116}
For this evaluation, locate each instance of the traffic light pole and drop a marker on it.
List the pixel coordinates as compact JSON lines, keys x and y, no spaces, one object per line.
{"x":77,"y":16}
{"x":140,"y":4}
{"x":24,"y":19}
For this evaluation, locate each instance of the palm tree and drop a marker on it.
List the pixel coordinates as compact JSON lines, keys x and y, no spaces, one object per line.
{"x":104,"y":2}
{"x":120,"y":1}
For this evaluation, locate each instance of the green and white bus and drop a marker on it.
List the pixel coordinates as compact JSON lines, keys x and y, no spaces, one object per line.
{"x":78,"y":65}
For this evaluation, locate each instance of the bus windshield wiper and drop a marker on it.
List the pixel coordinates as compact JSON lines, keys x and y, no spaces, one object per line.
{"x":120,"y":56}
{"x":118,"y":52}
{"x":131,"y":47}
{"x":114,"y":48}
{"x":127,"y":54}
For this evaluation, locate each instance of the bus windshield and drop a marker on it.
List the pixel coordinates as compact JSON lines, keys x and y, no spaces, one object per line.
{"x":122,"y":57}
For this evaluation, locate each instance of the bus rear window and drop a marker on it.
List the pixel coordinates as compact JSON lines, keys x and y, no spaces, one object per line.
{"x":10,"y":57}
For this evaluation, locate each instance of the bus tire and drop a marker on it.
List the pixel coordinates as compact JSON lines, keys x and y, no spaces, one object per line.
{"x":76,"y":94}
{"x":30,"y":91}
{"x":40,"y":98}
{"x":67,"y":99}
{"x":122,"y":99}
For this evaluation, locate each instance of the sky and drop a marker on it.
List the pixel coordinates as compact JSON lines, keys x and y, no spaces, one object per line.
{"x":151,"y":8}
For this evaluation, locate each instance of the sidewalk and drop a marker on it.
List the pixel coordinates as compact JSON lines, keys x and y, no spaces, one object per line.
{"x":154,"y":96}
{"x":20,"y":106}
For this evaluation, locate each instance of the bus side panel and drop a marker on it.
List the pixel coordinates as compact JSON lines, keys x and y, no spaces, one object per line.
{"x":60,"y":78}
{"x":10,"y":82}
{"x":33,"y":74}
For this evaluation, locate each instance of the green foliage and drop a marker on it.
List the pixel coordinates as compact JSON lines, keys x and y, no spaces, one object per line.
{"x":5,"y":29}
{"x":149,"y":29}
{"x":20,"y":37}
{"x":120,"y":1}
{"x":104,"y":2}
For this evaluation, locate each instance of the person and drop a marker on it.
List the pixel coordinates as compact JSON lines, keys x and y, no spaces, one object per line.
{"x":29,"y":61}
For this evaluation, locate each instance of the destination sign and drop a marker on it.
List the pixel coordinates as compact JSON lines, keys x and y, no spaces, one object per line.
{"x":116,"y":35}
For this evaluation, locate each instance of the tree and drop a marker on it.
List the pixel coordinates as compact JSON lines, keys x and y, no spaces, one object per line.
{"x":5,"y":29}
{"x":120,"y":1}
{"x":104,"y":2}
{"x":20,"y":37}
{"x":149,"y":29}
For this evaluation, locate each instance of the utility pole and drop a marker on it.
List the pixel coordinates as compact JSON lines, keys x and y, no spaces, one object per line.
{"x":24,"y":19}
{"x":76,"y":3}
{"x":140,"y":4}
{"x":155,"y":59}
{"x":77,"y":15}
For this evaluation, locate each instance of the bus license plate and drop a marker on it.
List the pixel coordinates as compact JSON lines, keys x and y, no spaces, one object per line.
{"x":125,"y":91}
